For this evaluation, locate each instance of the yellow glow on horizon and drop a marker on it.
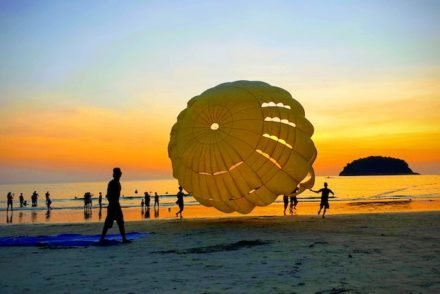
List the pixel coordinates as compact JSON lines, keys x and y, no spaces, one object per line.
{"x":394,"y":118}
{"x":85,"y":137}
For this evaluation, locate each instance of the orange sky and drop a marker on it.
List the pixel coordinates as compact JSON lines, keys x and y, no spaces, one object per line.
{"x":91,"y":140}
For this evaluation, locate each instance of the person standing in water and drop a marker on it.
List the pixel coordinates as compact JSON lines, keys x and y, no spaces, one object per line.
{"x":48,"y":200}
{"x":325,"y":192}
{"x":180,"y":202}
{"x":21,"y":198}
{"x":114,"y":210}
{"x":100,"y":200}
{"x":34,"y":199}
{"x":147,"y":199}
{"x":9,"y":198}
{"x":156,"y":200}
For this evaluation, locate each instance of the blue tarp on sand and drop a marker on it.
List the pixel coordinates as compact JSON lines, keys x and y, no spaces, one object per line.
{"x":66,"y":240}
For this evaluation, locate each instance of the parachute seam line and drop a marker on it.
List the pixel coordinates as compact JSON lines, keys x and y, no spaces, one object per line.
{"x":242,"y":129}
{"x":233,"y":182}
{"x":231,"y":147}
{"x":257,"y":102}
{"x":244,"y":109}
{"x":203,"y":116}
{"x":243,"y":141}
{"x":189,"y":146}
{"x":193,"y":145}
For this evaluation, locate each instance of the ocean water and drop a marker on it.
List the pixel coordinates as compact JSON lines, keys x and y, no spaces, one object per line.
{"x":362,"y":188}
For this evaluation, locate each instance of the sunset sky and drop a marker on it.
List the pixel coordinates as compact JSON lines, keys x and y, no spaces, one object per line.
{"x":88,"y":85}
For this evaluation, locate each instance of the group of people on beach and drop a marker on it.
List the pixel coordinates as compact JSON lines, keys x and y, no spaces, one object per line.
{"x":324,"y":204}
{"x":114,"y":210}
{"x":23,"y":202}
{"x":147,"y":199}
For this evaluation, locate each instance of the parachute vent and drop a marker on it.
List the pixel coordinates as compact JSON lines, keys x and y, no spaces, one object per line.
{"x":277,"y":119}
{"x":273,"y":104}
{"x":268,"y":157}
{"x":278,"y":140}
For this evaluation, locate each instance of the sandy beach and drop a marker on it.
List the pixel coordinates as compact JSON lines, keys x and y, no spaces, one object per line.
{"x":346,"y":253}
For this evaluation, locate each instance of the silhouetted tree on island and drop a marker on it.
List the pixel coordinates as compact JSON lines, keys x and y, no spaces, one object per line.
{"x":377,"y":165}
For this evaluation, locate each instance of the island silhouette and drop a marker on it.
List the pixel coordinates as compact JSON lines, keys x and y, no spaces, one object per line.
{"x":377,"y":165}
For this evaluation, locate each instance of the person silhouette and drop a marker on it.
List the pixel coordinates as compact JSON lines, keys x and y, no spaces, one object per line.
{"x":324,"y":198}
{"x":9,"y":198}
{"x":21,"y":198}
{"x":156,"y":199}
{"x":100,"y":200}
{"x":293,"y":200}
{"x":48,"y":200}
{"x":34,"y":199}
{"x":114,"y":210}
{"x":286,"y":202}
{"x":180,"y":202}
{"x":147,"y":199}
{"x":293,"y":203}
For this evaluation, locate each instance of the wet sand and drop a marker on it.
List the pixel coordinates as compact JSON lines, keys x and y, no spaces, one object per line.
{"x":344,"y":253}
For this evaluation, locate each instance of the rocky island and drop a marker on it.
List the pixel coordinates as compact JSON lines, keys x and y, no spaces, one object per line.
{"x":377,"y":165}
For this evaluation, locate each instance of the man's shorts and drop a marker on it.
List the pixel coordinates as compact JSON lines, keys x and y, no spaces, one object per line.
{"x":325,"y":204}
{"x":114,"y":213}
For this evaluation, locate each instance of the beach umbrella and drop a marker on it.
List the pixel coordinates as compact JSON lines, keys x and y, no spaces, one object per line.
{"x":241,"y":144}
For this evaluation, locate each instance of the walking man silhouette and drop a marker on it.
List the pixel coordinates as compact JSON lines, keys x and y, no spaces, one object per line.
{"x":114,"y":211}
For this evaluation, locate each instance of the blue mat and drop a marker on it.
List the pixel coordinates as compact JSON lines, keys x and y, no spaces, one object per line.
{"x":66,"y":240}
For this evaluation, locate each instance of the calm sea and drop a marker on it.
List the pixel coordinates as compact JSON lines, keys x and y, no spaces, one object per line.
{"x":69,"y":195}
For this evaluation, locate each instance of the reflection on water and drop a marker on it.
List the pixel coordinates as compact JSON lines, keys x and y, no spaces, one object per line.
{"x":156,"y":212}
{"x":73,"y":215}
{"x":9,"y":217}
{"x":100,"y":212}
{"x":87,"y":213}
{"x":33,"y":216}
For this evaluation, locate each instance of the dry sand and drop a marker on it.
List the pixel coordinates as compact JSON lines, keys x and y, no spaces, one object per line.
{"x":351,"y":253}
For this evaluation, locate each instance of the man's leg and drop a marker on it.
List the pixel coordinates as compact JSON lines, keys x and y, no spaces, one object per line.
{"x":104,"y":231}
{"x":107,"y":224}
{"x":122,"y":231}
{"x":121,"y":225}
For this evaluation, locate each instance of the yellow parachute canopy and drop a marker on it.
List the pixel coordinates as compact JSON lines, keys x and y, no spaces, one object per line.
{"x":241,"y":144}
